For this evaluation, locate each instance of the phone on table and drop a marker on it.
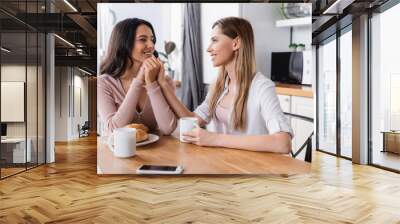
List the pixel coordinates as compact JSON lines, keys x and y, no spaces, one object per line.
{"x":157,"y":169}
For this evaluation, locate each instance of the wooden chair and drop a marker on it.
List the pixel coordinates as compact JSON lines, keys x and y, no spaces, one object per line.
{"x":84,"y":130}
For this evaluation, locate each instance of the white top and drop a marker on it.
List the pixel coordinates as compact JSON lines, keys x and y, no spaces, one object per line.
{"x":264,"y":113}
{"x":222,"y":114}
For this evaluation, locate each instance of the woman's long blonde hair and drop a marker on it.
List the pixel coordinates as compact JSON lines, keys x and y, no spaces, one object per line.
{"x":245,"y":68}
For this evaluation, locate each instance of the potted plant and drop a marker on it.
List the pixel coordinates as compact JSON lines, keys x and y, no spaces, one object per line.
{"x":301,"y":47}
{"x":297,"y":47}
{"x":169,"y":47}
{"x":293,"y":46}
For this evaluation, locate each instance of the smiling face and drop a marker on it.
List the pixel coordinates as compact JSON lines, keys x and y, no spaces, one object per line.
{"x":222,"y":48}
{"x":144,"y":43}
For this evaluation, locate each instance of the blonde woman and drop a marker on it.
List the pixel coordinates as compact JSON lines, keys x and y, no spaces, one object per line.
{"x":242,"y":104}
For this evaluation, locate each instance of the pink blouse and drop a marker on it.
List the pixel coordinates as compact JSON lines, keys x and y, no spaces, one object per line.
{"x":117,"y":109}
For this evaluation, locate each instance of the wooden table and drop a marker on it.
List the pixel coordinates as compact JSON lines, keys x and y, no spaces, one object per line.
{"x":198,"y":160}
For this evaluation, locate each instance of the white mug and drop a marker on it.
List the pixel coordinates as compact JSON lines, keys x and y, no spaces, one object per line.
{"x":122,"y":142}
{"x":187,"y":124}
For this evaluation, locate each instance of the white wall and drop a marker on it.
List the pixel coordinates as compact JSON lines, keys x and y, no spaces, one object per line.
{"x":210,"y":13}
{"x":61,"y":103}
{"x":84,"y":84}
{"x":176,"y":35}
{"x":303,"y":34}
{"x":67,"y":114}
{"x":268,"y":38}
{"x":80,"y":102}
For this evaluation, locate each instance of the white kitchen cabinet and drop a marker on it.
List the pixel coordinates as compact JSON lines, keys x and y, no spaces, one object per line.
{"x":303,"y":106}
{"x":285,"y":103}
{"x":302,"y":129}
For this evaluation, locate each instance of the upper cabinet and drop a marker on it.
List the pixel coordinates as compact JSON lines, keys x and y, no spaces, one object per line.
{"x":304,"y":21}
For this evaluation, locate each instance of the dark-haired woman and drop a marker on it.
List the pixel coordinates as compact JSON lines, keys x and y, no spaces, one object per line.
{"x":127,"y":89}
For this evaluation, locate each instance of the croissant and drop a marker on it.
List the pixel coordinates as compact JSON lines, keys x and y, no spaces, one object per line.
{"x":141,"y":131}
{"x":141,"y":135}
{"x":138,"y":126}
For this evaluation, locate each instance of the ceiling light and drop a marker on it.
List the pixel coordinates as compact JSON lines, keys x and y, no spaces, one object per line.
{"x":70,"y":5}
{"x":5,"y":50}
{"x":64,"y":40}
{"x":79,"y":51}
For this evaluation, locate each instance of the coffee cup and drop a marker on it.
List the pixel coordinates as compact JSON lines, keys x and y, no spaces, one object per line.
{"x":187,"y":124}
{"x":122,"y":142}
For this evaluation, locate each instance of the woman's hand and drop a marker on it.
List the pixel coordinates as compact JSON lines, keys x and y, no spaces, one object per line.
{"x":201,"y":137}
{"x":161,"y":75}
{"x":152,"y":68}
{"x":140,"y":74}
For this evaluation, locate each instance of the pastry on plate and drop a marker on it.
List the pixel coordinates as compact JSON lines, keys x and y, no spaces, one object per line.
{"x":141,"y":131}
{"x":138,"y":126}
{"x":141,"y":135}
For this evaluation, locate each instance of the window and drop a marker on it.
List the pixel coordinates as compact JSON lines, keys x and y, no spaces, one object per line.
{"x":346,"y":94}
{"x":327,"y":97}
{"x":22,"y":67}
{"x":385,"y":89}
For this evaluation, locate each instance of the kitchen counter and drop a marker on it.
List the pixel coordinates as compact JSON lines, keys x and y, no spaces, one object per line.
{"x":294,"y":90}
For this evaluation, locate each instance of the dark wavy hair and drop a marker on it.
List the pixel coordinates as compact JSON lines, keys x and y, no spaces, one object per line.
{"x":118,"y":56}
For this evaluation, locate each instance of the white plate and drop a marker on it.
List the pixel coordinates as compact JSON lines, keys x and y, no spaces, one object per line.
{"x":152,"y":138}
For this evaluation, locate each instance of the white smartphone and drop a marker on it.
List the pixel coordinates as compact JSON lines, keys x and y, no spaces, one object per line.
{"x":155,"y":169}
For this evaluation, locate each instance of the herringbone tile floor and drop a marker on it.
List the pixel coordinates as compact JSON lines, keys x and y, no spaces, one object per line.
{"x":70,"y":191}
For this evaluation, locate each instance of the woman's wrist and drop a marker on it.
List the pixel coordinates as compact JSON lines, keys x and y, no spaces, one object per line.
{"x":151,"y":86}
{"x":140,"y":77}
{"x":216,"y":139}
{"x":148,"y":80}
{"x":163,"y":84}
{"x":136,"y":82}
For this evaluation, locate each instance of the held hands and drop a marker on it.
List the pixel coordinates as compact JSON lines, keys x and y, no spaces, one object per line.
{"x":152,"y":67}
{"x":200,"y":137}
{"x":161,"y":75}
{"x":140,"y":74}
